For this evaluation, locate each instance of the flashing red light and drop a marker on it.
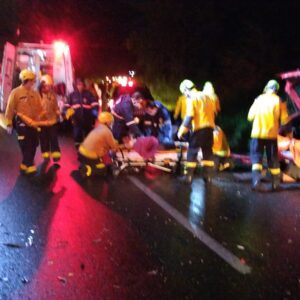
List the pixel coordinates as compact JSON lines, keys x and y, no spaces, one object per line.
{"x":130,"y":83}
{"x":60,"y":48}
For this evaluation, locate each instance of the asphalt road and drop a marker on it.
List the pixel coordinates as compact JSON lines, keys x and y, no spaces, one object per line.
{"x":143,"y":236}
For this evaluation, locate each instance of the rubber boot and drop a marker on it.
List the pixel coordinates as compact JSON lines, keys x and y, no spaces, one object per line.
{"x":187,"y":178}
{"x":256,"y":178}
{"x":275,"y":182}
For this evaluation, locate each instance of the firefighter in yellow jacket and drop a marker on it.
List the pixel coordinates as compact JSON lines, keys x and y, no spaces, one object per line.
{"x":48,"y":134}
{"x":201,"y":112}
{"x":25,"y":104}
{"x":266,"y":113}
{"x":96,"y":146}
{"x":180,"y":108}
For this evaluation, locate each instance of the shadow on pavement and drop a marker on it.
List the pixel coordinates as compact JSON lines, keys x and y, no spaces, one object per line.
{"x":25,"y":218}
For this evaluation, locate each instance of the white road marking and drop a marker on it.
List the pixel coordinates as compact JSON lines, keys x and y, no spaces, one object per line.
{"x":211,"y":243}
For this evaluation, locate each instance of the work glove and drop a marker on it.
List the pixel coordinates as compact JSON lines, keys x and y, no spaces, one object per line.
{"x":69,"y":113}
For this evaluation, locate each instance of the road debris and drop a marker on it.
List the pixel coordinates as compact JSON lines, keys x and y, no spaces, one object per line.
{"x":13,"y":245}
{"x":62,"y":279}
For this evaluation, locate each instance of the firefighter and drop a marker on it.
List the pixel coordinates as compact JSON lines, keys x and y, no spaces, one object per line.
{"x":96,"y":146}
{"x":221,"y":150}
{"x":49,"y":134}
{"x":126,"y":111}
{"x":180,"y":109}
{"x":266,"y":114}
{"x":25,"y":105}
{"x":82,"y":108}
{"x":157,"y":122}
{"x":208,"y":89}
{"x":201,"y":111}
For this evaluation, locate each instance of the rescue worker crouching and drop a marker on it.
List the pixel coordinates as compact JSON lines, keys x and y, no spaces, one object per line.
{"x":126,"y":111}
{"x":157,"y":122}
{"x":82,"y":108}
{"x":25,"y":105}
{"x":221,"y":150}
{"x":49,"y":134}
{"x":96,"y":146}
{"x":266,"y":114}
{"x":201,"y":112}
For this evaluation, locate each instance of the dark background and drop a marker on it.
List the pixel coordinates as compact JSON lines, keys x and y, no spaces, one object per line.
{"x":238,"y":45}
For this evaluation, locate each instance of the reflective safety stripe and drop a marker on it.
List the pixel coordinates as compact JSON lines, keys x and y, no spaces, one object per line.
{"x":46,"y":154}
{"x":131,"y":123}
{"x":31,"y":169}
{"x":224,"y":166}
{"x":76,"y":106}
{"x":95,"y":104}
{"x":275,"y":171}
{"x":222,"y":153}
{"x":207,"y":163}
{"x":56,"y":154}
{"x":88,"y":170}
{"x":191,"y":164}
{"x":100,"y":166}
{"x":21,"y":137}
{"x":86,"y":106}
{"x":87,"y":153}
{"x":23,"y":167}
{"x":257,"y":167}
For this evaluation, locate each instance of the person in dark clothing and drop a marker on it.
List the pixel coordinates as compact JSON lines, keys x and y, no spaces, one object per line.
{"x":82,"y":108}
{"x":157,"y":122}
{"x":125,"y":112}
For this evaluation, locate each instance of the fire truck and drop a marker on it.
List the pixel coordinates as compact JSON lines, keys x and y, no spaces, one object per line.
{"x":52,"y":59}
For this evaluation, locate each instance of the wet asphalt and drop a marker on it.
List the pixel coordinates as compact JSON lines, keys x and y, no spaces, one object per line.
{"x":62,"y":237}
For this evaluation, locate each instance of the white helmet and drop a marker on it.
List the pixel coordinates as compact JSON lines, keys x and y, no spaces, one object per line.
{"x":186,"y":84}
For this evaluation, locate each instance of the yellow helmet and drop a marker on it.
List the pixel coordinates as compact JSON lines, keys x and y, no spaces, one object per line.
{"x":208,"y":88}
{"x":272,"y":85}
{"x":47,"y":79}
{"x":26,"y":74}
{"x":186,"y":84}
{"x":105,"y":118}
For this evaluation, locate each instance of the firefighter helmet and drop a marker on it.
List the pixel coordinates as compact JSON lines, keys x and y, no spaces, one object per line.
{"x":186,"y":84}
{"x":272,"y":85}
{"x":208,"y":88}
{"x":105,"y":118}
{"x":26,"y":74}
{"x":47,"y":79}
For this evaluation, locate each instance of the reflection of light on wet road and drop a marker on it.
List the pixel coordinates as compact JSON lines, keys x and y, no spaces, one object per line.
{"x":197,"y":204}
{"x":201,"y":235}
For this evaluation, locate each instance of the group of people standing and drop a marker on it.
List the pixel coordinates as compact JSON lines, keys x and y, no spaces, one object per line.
{"x":36,"y":115}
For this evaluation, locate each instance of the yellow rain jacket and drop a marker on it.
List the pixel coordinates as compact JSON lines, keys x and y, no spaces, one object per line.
{"x":267,"y":113}
{"x":98,"y":142}
{"x":202,"y":109}
{"x":220,"y":145}
{"x":50,"y":106}
{"x":180,"y":108}
{"x":26,"y":104}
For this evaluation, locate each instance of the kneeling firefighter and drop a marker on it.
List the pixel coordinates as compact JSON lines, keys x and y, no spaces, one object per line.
{"x":96,"y":146}
{"x":201,"y":112}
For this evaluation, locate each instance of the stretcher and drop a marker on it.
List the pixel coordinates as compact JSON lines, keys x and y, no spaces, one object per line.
{"x":169,"y":161}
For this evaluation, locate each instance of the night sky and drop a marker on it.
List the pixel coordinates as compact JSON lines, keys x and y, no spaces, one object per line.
{"x":234,"y":43}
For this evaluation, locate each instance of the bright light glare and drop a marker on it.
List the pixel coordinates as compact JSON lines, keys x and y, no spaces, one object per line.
{"x":60,"y":48}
